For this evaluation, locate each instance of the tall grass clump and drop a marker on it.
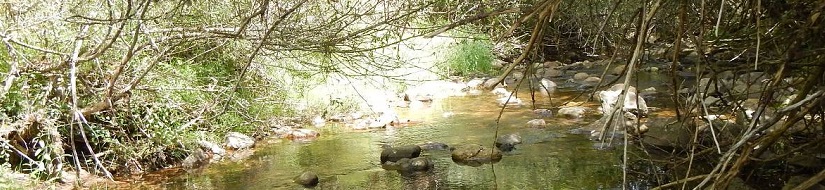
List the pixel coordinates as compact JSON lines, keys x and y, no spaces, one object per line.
{"x":470,"y":57}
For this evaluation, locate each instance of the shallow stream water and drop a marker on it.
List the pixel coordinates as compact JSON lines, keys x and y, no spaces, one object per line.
{"x":549,"y":158}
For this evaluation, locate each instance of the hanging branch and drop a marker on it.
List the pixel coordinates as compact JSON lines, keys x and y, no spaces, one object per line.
{"x":536,"y":38}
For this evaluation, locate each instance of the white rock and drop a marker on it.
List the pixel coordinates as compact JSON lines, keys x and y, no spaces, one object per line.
{"x":574,"y":112}
{"x":548,"y":83}
{"x":237,"y":141}
{"x":536,"y":123}
{"x":610,"y":97}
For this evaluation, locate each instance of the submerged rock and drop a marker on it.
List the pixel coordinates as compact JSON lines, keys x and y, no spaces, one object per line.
{"x":407,"y":165}
{"x":617,"y":70}
{"x":235,"y":140}
{"x":474,"y":155}
{"x":393,"y":154}
{"x":580,"y":76}
{"x":434,"y":146}
{"x":508,"y":142}
{"x":307,"y":179}
{"x":592,"y":79}
{"x":603,"y":146}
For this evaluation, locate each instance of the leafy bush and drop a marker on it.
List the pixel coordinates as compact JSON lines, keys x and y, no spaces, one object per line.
{"x":470,"y":57}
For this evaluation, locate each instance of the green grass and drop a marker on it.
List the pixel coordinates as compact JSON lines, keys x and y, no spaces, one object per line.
{"x":470,"y":57}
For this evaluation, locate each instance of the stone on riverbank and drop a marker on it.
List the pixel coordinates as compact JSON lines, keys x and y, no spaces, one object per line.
{"x":235,"y":141}
{"x":217,"y":152}
{"x":195,"y":160}
{"x":302,"y":134}
{"x":475,"y":155}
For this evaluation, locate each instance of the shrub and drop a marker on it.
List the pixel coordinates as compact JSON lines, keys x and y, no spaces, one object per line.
{"x":470,"y":57}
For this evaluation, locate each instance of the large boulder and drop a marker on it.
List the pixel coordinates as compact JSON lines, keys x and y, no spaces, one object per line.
{"x":307,"y":179}
{"x":508,"y":142}
{"x":393,"y":154}
{"x":235,"y":140}
{"x":407,"y":165}
{"x":474,"y":155}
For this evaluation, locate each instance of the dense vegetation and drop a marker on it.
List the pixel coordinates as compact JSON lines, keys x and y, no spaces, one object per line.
{"x":130,"y":86}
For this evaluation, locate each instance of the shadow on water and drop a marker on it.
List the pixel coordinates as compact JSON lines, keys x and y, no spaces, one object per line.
{"x":549,"y":158}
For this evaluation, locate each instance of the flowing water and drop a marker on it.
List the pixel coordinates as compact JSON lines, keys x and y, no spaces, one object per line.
{"x":549,"y":158}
